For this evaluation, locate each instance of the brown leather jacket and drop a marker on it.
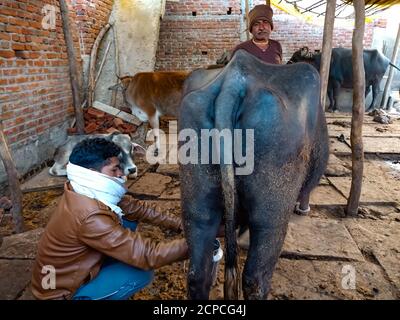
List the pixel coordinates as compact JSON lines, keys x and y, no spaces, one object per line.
{"x":82,"y":231}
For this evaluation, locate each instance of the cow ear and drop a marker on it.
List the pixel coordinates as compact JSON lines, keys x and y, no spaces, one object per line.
{"x":138,"y":149}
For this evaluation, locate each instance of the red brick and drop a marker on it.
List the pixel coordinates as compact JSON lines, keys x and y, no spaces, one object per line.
{"x":7,"y":53}
{"x":90,"y":128}
{"x":95,"y":113}
{"x":112,"y":130}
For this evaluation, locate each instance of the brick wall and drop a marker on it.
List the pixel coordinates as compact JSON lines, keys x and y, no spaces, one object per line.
{"x":91,"y":16}
{"x":187,"y":41}
{"x":35,"y":90}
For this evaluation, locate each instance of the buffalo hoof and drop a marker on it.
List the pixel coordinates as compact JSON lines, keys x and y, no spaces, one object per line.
{"x":331,"y":110}
{"x":301,"y":212}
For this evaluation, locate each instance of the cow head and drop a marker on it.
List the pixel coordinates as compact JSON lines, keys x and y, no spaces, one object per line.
{"x":129,"y":150}
{"x":303,"y":54}
{"x":122,"y":84}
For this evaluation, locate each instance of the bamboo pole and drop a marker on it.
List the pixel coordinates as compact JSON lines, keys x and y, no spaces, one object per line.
{"x":386,"y":91}
{"x":13,"y":182}
{"x":357,"y":149}
{"x":117,"y":68}
{"x":247,"y":20}
{"x":73,"y":70}
{"x":93,"y":58}
{"x":327,"y":48}
{"x":102,"y":65}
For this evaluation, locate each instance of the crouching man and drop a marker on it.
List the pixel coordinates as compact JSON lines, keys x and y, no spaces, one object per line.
{"x":90,"y":243}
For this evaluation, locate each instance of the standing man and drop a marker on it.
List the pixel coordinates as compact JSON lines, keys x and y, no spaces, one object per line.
{"x":261,"y":46}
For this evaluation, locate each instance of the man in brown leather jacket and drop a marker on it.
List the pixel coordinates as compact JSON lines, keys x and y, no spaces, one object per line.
{"x":89,"y":249}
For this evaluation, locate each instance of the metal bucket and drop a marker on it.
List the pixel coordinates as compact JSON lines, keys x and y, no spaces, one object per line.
{"x":217,"y":256}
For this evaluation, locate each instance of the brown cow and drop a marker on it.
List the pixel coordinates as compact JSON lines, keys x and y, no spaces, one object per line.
{"x":153,"y":94}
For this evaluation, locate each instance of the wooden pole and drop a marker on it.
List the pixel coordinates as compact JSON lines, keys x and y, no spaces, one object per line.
{"x":386,"y":91}
{"x":268,"y":2}
{"x":247,"y":20}
{"x":327,"y":48}
{"x":73,"y":70}
{"x":93,"y":58}
{"x":357,"y":149}
{"x":102,"y":64}
{"x":117,"y":69}
{"x":13,"y":182}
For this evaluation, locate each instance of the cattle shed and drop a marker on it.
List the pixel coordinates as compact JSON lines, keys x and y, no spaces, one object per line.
{"x":36,"y":102}
{"x":58,"y":59}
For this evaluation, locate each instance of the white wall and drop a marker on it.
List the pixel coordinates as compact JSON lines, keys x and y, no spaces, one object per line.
{"x":137,"y":23}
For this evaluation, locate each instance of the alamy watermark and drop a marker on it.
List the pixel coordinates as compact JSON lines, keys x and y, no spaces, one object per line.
{"x":349,"y":278}
{"x":49,"y":19}
{"x":49,"y":280}
{"x":209,"y":146}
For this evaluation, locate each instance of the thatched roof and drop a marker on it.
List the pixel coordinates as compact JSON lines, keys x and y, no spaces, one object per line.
{"x":344,"y":8}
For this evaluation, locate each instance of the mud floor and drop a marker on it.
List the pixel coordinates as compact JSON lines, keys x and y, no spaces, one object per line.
{"x":316,"y":258}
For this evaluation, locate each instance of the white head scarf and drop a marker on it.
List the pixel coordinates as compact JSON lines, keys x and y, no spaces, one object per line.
{"x":96,"y":185}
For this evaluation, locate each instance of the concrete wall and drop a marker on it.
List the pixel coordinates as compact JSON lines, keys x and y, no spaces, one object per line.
{"x":137,"y":25}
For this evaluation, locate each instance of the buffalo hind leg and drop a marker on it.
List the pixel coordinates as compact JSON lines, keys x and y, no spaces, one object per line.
{"x":375,"y":91}
{"x":265,"y":247}
{"x":201,"y":237}
{"x":317,"y":165}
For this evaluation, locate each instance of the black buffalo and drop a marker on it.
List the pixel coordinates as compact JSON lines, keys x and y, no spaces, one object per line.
{"x":341,"y":72}
{"x":281,"y":104}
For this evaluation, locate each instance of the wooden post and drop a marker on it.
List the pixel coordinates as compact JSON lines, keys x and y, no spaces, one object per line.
{"x":117,"y":69}
{"x":73,"y":70}
{"x":247,"y":21}
{"x":386,"y":92}
{"x":327,"y":48}
{"x":268,"y":2}
{"x":13,"y":182}
{"x":357,"y":149}
{"x":93,"y":58}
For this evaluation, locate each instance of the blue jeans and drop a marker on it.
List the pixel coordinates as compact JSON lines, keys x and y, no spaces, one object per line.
{"x":116,"y":280}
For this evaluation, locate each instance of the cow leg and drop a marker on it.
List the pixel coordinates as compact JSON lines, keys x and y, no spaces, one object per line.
{"x":335,"y":90}
{"x":375,"y":91}
{"x":331,"y":100}
{"x":155,"y":125}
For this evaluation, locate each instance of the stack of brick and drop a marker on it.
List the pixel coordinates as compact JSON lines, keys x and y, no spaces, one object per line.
{"x":97,"y":121}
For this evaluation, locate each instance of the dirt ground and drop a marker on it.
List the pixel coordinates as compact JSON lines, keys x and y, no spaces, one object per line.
{"x":300,"y":273}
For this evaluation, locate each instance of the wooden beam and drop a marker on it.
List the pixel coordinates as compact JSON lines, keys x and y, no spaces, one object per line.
{"x":386,"y":91}
{"x":13,"y":182}
{"x":357,"y":148}
{"x":327,"y":48}
{"x":73,"y":70}
{"x":117,"y":113}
